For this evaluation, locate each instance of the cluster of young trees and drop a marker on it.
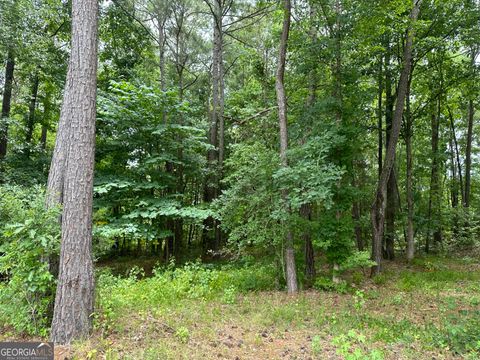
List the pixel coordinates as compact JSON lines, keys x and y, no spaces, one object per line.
{"x":224,"y":127}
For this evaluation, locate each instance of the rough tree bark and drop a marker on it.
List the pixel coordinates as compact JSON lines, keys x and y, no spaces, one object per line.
{"x":290,"y":267}
{"x":379,"y":204}
{"x":6,"y":102}
{"x":75,"y":289}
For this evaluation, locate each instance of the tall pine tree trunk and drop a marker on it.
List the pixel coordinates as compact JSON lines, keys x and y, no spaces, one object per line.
{"x":379,"y":204}
{"x":74,"y":300}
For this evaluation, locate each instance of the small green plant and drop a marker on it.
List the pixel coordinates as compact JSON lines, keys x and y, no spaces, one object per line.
{"x":316,"y":345}
{"x":182,"y":334}
{"x":136,"y":273}
{"x":350,"y":347}
{"x":398,"y":299}
{"x":229,"y":295}
{"x":359,"y":300}
{"x":380,"y":279}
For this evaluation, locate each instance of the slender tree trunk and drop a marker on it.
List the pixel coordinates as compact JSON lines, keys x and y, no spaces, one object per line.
{"x":453,"y":172}
{"x":290,"y":267}
{"x":389,"y":252}
{"x":31,"y":110}
{"x":221,"y":87}
{"x":380,"y":117}
{"x":306,"y":209}
{"x":454,"y":197}
{"x":6,"y":102}
{"x":161,"y":19}
{"x":74,"y":300}
{"x":434,"y":204}
{"x":217,"y":128}
{"x":457,"y":154}
{"x":179,"y":174}
{"x":47,"y":103}
{"x":310,"y":272}
{"x":43,"y":137}
{"x":468,"y":153}
{"x":409,"y":176}
{"x":379,"y":205}
{"x":220,"y":108}
{"x":338,"y":63}
{"x":356,"y":215}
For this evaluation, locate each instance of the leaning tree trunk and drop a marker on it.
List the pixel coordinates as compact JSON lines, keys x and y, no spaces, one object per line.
{"x":290,"y":267}
{"x":72,"y":318}
{"x":6,"y":102}
{"x":379,"y":204}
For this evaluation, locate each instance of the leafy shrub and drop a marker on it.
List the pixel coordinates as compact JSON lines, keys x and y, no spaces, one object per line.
{"x":28,"y":236}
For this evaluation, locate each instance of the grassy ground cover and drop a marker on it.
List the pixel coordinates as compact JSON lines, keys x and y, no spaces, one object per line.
{"x":430,"y":309}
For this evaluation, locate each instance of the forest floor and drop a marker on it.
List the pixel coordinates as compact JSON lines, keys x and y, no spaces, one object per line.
{"x":429,"y":310}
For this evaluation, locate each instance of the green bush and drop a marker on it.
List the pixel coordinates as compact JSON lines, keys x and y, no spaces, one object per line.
{"x":28,"y":236}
